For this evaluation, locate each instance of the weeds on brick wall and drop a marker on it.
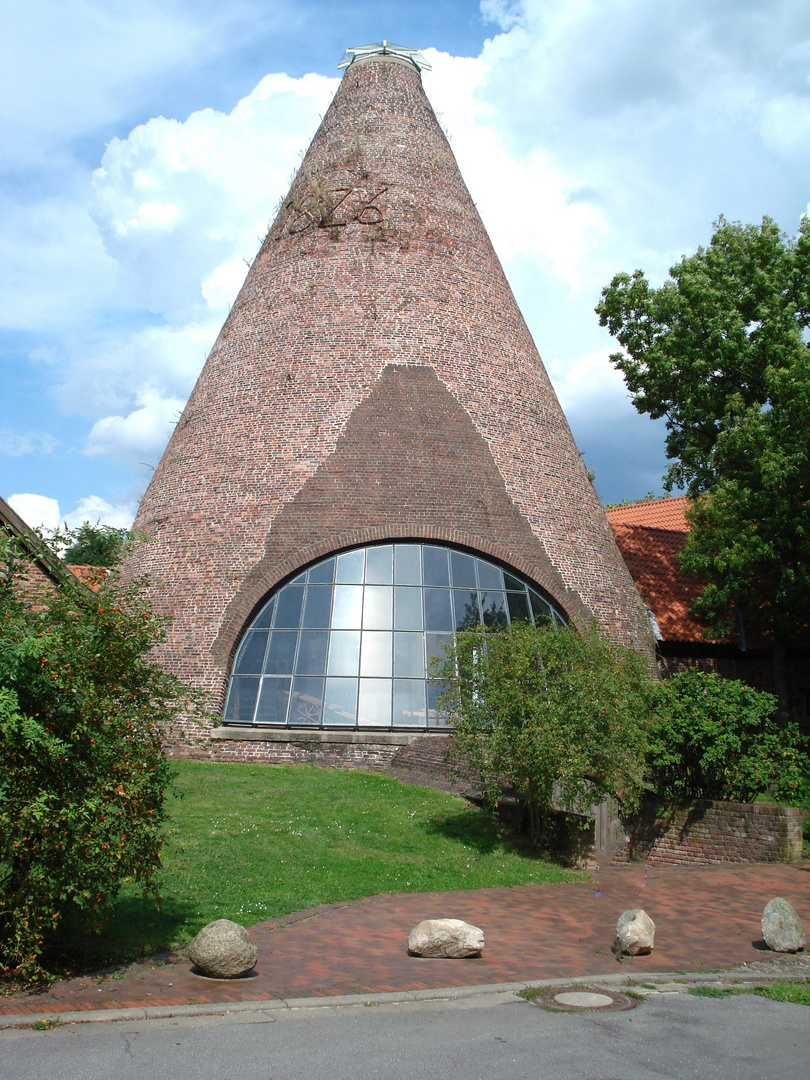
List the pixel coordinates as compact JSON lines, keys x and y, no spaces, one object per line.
{"x":82,"y":773}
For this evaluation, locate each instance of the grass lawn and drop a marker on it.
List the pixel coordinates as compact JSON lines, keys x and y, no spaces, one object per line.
{"x":795,"y":991}
{"x":253,"y":842}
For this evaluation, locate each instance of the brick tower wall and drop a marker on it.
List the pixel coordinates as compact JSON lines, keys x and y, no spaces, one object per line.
{"x":374,"y":379}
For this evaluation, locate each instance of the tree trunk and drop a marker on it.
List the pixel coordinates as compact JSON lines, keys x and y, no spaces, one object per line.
{"x":780,"y":682}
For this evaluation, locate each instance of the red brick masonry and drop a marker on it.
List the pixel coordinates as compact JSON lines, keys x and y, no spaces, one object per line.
{"x":374,"y":380}
{"x":716,"y":832}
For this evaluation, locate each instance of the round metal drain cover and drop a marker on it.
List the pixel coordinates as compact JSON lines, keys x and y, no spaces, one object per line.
{"x":579,"y":998}
{"x":583,"y":999}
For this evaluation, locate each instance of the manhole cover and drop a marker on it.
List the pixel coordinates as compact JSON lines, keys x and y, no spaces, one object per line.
{"x":583,"y":999}
{"x":579,"y":998}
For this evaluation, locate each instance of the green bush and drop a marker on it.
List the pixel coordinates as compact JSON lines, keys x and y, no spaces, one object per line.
{"x":558,"y":717}
{"x":94,"y":545}
{"x":82,"y":774}
{"x":714,"y":738}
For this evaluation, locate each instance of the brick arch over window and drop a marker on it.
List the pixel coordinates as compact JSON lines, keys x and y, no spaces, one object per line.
{"x":410,"y":464}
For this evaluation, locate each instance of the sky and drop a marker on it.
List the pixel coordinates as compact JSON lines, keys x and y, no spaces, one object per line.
{"x":145,"y":146}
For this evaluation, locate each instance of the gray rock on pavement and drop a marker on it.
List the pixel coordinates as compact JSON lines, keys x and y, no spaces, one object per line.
{"x":782,"y":928}
{"x":635,"y":933}
{"x":223,"y":950}
{"x":448,"y":938}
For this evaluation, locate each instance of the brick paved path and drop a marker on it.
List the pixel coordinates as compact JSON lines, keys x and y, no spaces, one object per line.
{"x":705,"y":917}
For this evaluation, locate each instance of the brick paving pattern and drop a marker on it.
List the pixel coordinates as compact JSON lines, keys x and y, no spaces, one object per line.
{"x":706,"y":917}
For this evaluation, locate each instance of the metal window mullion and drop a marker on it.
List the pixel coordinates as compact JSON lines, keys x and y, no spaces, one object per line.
{"x":262,"y":675}
{"x":295,"y":654}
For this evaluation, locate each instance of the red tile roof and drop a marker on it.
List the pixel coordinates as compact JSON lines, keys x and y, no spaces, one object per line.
{"x":91,"y":576}
{"x":651,"y":555}
{"x":650,"y":536}
{"x":661,"y":514}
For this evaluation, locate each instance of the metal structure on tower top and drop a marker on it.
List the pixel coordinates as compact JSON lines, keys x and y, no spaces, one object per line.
{"x":385,"y":48}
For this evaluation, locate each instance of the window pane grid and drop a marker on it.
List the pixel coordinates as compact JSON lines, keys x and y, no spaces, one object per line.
{"x":348,"y":643}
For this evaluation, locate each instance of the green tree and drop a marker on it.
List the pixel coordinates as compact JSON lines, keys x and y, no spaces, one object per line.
{"x":713,"y":738}
{"x":720,"y":350}
{"x":95,"y":545}
{"x":556,"y":716}
{"x":82,"y":773}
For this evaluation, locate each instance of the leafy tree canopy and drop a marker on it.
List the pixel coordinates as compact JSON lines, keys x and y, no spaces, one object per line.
{"x":714,"y":738}
{"x":719,"y":343}
{"x":721,"y":351}
{"x":556,"y":716}
{"x":95,"y":545}
{"x":82,"y":773}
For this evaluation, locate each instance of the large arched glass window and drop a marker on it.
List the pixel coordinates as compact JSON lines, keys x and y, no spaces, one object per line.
{"x":348,"y":642}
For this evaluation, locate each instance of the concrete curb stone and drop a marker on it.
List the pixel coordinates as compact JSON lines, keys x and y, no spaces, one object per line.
{"x":656,"y":982}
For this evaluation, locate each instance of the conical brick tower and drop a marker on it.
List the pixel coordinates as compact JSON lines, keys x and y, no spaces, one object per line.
{"x":374,"y":387}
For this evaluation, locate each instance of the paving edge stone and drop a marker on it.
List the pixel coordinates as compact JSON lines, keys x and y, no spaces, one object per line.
{"x":661,"y":982}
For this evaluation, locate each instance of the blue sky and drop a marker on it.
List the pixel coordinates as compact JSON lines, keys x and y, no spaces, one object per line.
{"x":144,"y":147}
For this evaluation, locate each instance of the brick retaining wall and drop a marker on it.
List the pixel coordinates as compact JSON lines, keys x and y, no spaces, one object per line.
{"x":278,"y":746}
{"x":713,"y":832}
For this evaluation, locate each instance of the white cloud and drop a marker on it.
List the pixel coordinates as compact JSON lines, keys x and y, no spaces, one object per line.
{"x":623,"y":447}
{"x":95,"y":54}
{"x":100,"y":512}
{"x":506,"y":13}
{"x":668,"y":115}
{"x":17,"y":444}
{"x":41,"y":512}
{"x":785,"y":125}
{"x":174,"y":201}
{"x":224,"y":283}
{"x":529,"y":204}
{"x":588,"y":384}
{"x":112,"y":376}
{"x":54,"y":272}
{"x":38,"y":511}
{"x":142,"y":434}
{"x":150,"y":216}
{"x":179,"y":210}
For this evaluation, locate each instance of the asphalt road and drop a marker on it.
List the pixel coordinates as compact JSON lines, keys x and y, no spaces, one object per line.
{"x":494,"y":1037}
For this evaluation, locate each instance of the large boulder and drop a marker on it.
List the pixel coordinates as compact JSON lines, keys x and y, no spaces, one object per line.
{"x":635,"y":933}
{"x":449,"y":938}
{"x":781,"y":927}
{"x":223,"y":950}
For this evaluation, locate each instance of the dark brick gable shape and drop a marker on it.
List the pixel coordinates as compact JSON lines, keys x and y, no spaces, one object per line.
{"x":409,"y":464}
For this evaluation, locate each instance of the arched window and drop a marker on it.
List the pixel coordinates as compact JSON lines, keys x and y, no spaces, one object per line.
{"x":348,"y":642}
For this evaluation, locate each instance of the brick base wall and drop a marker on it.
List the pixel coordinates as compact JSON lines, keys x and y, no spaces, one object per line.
{"x":713,"y":832}
{"x":281,"y":746}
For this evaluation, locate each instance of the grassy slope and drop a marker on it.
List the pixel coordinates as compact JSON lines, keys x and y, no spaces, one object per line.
{"x":252,"y":842}
{"x":795,"y":991}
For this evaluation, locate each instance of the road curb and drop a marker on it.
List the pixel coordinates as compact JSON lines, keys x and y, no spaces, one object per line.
{"x":655,"y":982}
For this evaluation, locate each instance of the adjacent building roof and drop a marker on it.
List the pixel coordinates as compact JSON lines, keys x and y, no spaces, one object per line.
{"x":659,"y":514}
{"x":41,"y":555}
{"x":650,"y":536}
